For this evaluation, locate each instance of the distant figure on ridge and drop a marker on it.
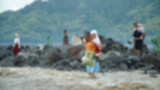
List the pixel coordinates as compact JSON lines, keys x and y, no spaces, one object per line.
{"x":138,"y":39}
{"x":16,"y":45}
{"x":65,"y":38}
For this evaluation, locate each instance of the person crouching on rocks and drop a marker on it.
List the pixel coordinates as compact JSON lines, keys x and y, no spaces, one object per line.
{"x":90,"y":53}
{"x":16,"y":45}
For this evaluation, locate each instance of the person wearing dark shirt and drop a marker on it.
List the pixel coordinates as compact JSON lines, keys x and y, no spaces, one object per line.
{"x":65,"y":38}
{"x":138,"y":40}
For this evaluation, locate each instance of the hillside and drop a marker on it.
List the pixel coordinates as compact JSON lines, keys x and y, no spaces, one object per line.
{"x":111,"y":18}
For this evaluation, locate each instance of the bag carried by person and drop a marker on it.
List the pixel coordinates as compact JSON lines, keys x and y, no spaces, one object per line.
{"x":88,"y":58}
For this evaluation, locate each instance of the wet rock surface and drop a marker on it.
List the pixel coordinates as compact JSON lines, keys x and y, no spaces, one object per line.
{"x":114,"y":57}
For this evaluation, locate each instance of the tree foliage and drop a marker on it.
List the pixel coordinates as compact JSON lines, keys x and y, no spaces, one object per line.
{"x":156,"y":42}
{"x":112,"y":18}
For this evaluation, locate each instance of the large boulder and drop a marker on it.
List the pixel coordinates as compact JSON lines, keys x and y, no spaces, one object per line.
{"x":113,"y":61}
{"x":4,"y":52}
{"x":102,"y":39}
{"x":8,"y":61}
{"x":109,"y":44}
{"x":27,"y":54}
{"x":63,"y":50}
{"x":10,"y":48}
{"x":40,"y":47}
{"x":109,"y":54}
{"x":145,"y":49}
{"x":52,"y":57}
{"x":114,"y":64}
{"x":47,"y":48}
{"x":156,"y":53}
{"x":76,"y":40}
{"x":27,"y":59}
{"x":152,"y":59}
{"x":81,"y":54}
{"x":75,"y":51}
{"x":68,"y":64}
{"x":25,"y":48}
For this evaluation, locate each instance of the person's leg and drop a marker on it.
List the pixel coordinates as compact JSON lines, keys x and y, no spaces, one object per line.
{"x":90,"y":70}
{"x":97,"y":66}
{"x":135,"y":47}
{"x":94,"y":69}
{"x":92,"y":74}
{"x":141,"y":47}
{"x":141,"y":52}
{"x":134,"y":52}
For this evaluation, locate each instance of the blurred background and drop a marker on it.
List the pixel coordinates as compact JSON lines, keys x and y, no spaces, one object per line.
{"x":40,"y":61}
{"x":35,"y":20}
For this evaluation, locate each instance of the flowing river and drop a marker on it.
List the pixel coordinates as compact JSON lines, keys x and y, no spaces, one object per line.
{"x":28,"y":78}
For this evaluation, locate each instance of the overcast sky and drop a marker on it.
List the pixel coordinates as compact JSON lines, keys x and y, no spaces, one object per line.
{"x":13,"y":4}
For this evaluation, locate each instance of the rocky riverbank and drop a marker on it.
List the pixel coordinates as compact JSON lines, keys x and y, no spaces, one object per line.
{"x":114,"y":57}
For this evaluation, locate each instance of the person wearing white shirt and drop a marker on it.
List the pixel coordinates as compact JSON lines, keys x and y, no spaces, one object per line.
{"x":16,"y":45}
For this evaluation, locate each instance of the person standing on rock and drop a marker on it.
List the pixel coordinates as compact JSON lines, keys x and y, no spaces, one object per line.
{"x":140,"y":29}
{"x":65,"y":38}
{"x":137,"y":38}
{"x":91,"y":47}
{"x":16,"y":45}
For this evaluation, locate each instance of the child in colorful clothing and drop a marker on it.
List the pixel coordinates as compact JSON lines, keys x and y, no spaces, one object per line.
{"x":91,"y":46}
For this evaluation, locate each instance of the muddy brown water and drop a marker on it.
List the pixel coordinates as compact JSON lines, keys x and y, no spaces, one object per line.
{"x":47,"y":79}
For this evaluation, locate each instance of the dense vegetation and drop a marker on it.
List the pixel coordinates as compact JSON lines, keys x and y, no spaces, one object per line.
{"x":112,"y":18}
{"x":156,"y":42}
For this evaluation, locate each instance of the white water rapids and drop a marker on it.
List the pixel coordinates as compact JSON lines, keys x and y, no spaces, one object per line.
{"x":47,"y":79}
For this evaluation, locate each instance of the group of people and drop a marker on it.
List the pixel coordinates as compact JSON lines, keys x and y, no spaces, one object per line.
{"x":93,"y":45}
{"x":16,"y":42}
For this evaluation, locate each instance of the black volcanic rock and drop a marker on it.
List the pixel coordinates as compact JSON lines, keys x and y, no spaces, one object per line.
{"x":109,"y":44}
{"x":114,"y":56}
{"x":75,"y":51}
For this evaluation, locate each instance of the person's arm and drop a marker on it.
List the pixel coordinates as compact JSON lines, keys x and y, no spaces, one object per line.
{"x":133,"y":38}
{"x":142,"y":35}
{"x":98,"y":47}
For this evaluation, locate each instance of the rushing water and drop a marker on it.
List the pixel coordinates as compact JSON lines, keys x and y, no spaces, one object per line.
{"x":47,"y":79}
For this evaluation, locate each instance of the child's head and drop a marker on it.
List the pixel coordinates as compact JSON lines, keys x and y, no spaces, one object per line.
{"x":16,"y":35}
{"x":87,"y":36}
{"x":135,"y":26}
{"x":65,"y":32}
{"x":93,"y":34}
{"x":139,"y":25}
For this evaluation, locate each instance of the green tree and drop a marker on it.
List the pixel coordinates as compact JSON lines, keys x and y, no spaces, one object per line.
{"x":48,"y":40}
{"x":156,"y":42}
